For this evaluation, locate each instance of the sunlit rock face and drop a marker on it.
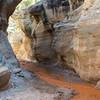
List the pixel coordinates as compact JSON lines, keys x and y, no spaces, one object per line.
{"x":21,"y":39}
{"x":5,"y":48}
{"x":74,"y":42}
{"x":37,"y":39}
{"x":79,"y":41}
{"x":37,"y":23}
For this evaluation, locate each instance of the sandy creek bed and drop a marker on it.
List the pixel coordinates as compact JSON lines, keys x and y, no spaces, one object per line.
{"x":48,"y":83}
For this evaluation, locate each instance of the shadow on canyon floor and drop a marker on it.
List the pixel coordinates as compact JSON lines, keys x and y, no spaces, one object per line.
{"x":48,"y":83}
{"x":65,"y":79}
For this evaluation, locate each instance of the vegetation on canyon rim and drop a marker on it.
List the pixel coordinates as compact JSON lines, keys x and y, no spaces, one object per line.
{"x":26,"y":3}
{"x":12,"y":24}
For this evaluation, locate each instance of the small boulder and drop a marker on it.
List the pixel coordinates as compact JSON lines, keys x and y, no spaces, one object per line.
{"x":4,"y":76}
{"x":4,"y":72}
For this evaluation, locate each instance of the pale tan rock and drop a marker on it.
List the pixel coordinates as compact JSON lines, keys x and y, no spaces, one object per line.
{"x":7,"y":57}
{"x":6,"y":9}
{"x":80,"y":42}
{"x":37,"y":22}
{"x":76,"y":42}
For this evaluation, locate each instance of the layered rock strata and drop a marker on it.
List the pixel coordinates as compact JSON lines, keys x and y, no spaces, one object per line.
{"x":74,"y":42}
{"x":37,"y":23}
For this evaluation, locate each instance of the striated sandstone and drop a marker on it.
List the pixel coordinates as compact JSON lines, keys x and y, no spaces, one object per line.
{"x":73,"y":43}
{"x":37,"y":22}
{"x":80,"y":42}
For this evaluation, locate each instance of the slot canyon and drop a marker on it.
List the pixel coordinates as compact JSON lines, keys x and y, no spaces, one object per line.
{"x":49,"y":50}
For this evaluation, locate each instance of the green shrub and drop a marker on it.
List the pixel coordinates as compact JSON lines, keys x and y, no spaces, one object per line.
{"x":26,"y":3}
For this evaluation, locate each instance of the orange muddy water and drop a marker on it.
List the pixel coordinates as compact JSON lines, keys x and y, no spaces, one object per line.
{"x":85,"y":91}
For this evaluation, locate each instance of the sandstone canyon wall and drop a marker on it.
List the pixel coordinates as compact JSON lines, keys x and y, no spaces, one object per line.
{"x":37,"y":23}
{"x":79,"y":41}
{"x":66,"y":34}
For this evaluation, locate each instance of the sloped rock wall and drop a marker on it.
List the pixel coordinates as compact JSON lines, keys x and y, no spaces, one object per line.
{"x":73,"y":42}
{"x":7,"y":57}
{"x":37,"y":23}
{"x":79,"y":42}
{"x":6,"y":9}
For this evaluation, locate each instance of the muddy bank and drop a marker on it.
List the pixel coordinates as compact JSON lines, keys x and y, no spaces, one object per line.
{"x":85,"y":91}
{"x":48,"y":83}
{"x":28,"y":86}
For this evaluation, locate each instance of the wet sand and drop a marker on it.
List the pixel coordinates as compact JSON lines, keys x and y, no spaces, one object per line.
{"x":85,"y":91}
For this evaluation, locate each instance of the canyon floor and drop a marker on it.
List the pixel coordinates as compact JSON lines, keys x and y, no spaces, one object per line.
{"x":40,"y":82}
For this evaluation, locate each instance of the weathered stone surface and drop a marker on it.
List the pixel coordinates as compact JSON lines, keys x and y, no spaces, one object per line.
{"x":76,"y":41}
{"x":37,"y":23}
{"x":80,"y":43}
{"x":6,"y":50}
{"x":73,"y":42}
{"x":7,"y":57}
{"x":38,"y":36}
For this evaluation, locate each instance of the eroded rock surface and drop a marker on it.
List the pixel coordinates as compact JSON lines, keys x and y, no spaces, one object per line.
{"x":7,"y":57}
{"x":79,"y":41}
{"x":5,"y":48}
{"x":73,"y":43}
{"x":37,"y":22}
